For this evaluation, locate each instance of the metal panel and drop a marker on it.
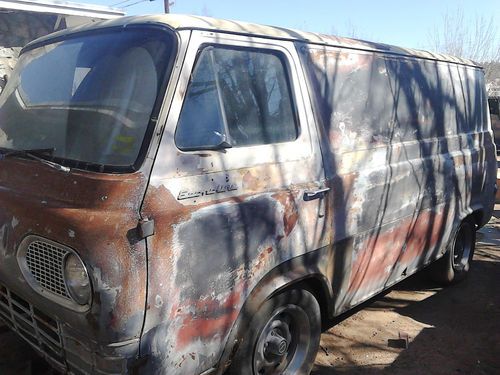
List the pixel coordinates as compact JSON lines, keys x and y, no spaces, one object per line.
{"x":400,"y":192}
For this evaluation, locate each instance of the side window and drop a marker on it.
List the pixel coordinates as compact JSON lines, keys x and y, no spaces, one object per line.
{"x":494,"y":106}
{"x":237,"y":97}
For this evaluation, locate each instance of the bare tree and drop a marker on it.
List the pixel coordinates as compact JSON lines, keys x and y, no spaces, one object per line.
{"x":472,"y":37}
{"x":351,"y":30}
{"x":205,"y":11}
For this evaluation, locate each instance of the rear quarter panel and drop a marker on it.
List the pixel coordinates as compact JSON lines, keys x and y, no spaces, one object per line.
{"x":405,"y":171}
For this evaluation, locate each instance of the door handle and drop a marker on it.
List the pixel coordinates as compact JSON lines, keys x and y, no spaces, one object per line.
{"x":309,"y":195}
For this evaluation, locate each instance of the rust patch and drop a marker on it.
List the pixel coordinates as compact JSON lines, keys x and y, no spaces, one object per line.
{"x":210,"y":318}
{"x":250,"y":182}
{"x":96,"y":214}
{"x":262,"y":261}
{"x":290,"y":214}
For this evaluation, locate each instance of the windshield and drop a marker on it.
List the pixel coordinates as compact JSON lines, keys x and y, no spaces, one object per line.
{"x":89,"y":97}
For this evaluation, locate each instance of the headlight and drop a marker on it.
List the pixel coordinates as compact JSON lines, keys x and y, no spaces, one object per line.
{"x":77,"y":279}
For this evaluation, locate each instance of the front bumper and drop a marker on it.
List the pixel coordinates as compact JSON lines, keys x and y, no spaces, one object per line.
{"x":61,"y":346}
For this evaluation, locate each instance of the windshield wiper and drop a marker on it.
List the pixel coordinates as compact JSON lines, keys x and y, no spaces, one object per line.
{"x":33,"y":154}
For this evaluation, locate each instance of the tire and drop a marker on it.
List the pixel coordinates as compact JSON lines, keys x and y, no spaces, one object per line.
{"x":455,"y":263}
{"x":282,"y":338}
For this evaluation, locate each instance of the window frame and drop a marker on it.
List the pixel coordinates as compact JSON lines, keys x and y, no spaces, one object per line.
{"x":176,"y":163}
{"x":267,"y":51}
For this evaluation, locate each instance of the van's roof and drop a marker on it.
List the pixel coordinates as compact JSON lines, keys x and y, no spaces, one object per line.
{"x":183,"y":22}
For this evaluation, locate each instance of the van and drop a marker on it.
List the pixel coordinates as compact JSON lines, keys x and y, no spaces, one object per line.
{"x":186,"y":195}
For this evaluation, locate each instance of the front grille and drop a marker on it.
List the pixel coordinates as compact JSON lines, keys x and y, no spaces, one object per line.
{"x":39,"y":330}
{"x":45,"y":262}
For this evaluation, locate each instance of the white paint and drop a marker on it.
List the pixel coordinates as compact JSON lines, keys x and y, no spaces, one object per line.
{"x":14,"y":222}
{"x":71,"y":233}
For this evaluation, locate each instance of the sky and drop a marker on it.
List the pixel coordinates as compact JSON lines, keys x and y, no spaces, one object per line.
{"x":402,"y":23}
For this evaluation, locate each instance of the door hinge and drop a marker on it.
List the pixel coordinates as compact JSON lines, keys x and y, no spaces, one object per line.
{"x":146,"y":228}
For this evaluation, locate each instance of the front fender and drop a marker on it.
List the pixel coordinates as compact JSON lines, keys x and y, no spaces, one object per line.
{"x":305,"y":271}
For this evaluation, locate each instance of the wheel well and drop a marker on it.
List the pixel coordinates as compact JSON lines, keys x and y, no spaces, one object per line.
{"x":316,"y":287}
{"x":477,"y":217}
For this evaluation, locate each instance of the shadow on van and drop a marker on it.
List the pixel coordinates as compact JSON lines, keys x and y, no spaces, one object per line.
{"x":454,"y":329}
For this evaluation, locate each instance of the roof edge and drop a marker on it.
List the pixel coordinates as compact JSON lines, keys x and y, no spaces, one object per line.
{"x":181,"y":22}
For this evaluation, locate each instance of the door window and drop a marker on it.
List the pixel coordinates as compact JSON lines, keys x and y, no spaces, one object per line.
{"x":237,"y":97}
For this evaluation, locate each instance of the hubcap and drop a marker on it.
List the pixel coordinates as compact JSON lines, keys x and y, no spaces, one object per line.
{"x":283,"y":342}
{"x":275,"y":344}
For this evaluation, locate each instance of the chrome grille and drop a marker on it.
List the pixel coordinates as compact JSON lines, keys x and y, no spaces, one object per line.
{"x":45,"y":262}
{"x":39,"y":330}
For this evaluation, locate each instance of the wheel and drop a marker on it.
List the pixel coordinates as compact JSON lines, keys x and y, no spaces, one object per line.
{"x":283,"y":337}
{"x":455,"y":263}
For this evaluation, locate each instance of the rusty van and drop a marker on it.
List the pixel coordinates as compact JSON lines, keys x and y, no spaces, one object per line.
{"x":186,"y":195}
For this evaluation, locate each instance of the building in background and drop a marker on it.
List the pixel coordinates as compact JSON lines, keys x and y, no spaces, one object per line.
{"x":22,"y":21}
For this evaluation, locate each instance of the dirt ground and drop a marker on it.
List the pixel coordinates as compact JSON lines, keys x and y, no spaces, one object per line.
{"x":454,"y":330}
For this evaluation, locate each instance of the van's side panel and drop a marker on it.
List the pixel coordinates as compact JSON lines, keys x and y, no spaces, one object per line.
{"x":223,"y":220}
{"x":408,"y":156}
